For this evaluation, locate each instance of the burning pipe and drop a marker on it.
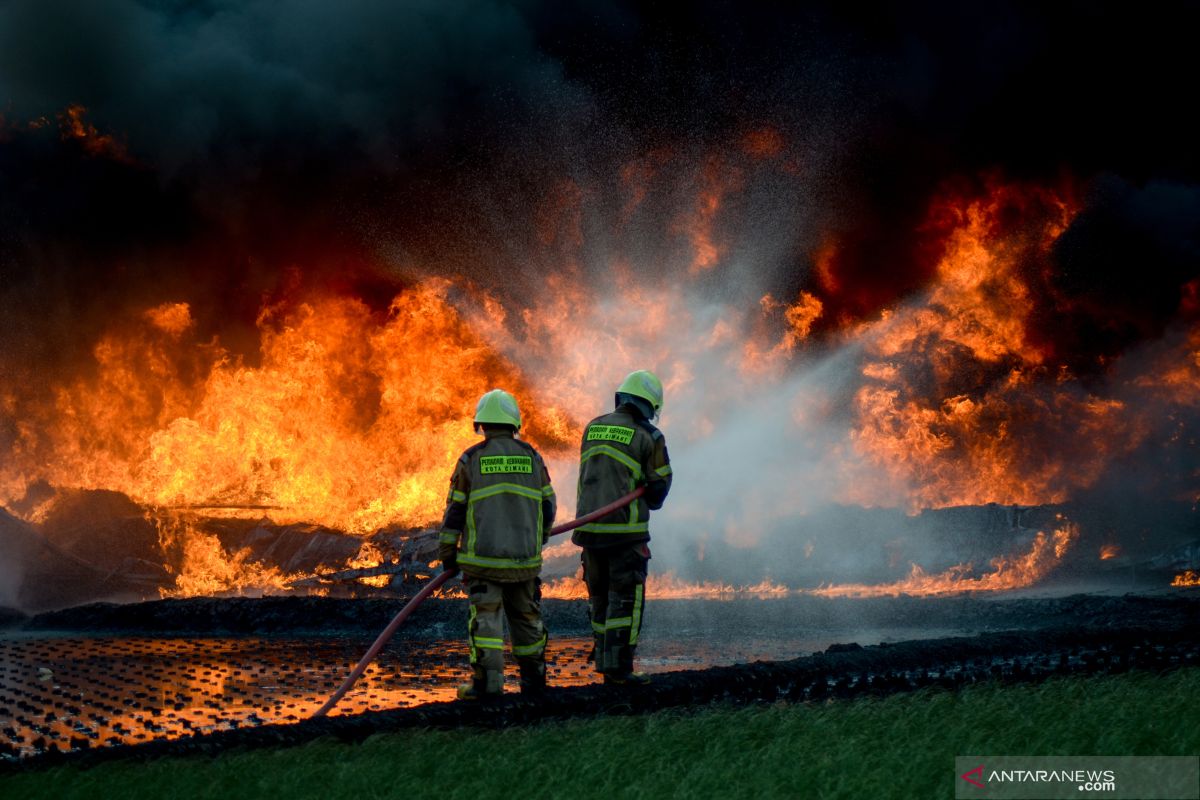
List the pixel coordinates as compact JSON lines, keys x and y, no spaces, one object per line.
{"x":433,"y":585}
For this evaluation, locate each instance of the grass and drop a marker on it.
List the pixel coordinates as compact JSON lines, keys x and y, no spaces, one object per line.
{"x":899,"y":746}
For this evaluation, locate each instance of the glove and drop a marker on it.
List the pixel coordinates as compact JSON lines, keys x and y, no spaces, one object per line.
{"x":449,"y":557}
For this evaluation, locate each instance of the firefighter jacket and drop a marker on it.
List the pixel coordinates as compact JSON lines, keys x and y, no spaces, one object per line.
{"x":499,"y":510}
{"x":621,"y":451}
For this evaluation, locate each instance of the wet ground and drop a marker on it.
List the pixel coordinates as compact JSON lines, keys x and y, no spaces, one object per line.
{"x":62,"y":690}
{"x":67,"y":692}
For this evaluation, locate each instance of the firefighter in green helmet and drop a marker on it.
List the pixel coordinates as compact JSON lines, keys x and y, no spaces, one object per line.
{"x":621,"y":451}
{"x":498,"y":515}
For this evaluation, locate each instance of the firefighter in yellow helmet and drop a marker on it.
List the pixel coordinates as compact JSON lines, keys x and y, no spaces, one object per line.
{"x":621,"y":451}
{"x":498,"y":515}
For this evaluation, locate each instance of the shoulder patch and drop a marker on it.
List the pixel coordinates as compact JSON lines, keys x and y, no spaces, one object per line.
{"x":611,"y":433}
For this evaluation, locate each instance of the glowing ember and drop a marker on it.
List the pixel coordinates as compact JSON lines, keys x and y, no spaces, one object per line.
{"x":1007,"y":573}
{"x":1188,"y":578}
{"x":1109,"y":551}
{"x":74,"y":125}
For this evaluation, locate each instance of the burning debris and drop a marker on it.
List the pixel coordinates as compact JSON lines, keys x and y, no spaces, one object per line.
{"x":1188,"y":578}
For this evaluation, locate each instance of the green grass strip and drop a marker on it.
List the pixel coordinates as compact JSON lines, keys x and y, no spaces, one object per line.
{"x":899,"y":746}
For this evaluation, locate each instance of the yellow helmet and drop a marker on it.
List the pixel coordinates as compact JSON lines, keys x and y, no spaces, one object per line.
{"x":498,"y":407}
{"x":646,"y":385}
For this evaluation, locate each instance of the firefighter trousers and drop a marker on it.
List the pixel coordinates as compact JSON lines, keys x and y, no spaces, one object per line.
{"x":521,"y":603}
{"x":616,"y":584}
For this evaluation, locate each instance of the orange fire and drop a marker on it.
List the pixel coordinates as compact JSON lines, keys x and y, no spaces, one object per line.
{"x":1188,"y":578}
{"x":1109,"y":551}
{"x":74,"y":125}
{"x":352,"y":418}
{"x":931,"y":412}
{"x":1007,"y":573}
{"x":208,"y":569}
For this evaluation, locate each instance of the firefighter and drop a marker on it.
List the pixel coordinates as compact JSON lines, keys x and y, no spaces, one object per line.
{"x":621,"y":451}
{"x":498,"y":515}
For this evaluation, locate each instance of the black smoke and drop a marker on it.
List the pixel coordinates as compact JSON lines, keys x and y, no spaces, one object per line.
{"x":355,"y":144}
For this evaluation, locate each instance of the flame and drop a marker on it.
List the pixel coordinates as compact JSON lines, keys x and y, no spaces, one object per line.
{"x":349,"y":420}
{"x":1109,"y":551}
{"x":1188,"y":578}
{"x":954,"y":405}
{"x":369,"y":555}
{"x":718,"y":180}
{"x":207,"y":569}
{"x":352,"y":418}
{"x":759,"y":354}
{"x":171,"y":318}
{"x":1007,"y":573}
{"x":73,"y":125}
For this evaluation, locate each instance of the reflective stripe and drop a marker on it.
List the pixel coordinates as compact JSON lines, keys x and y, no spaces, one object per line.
{"x":472,"y":560}
{"x":449,"y":537}
{"x":614,"y":453}
{"x":614,"y":527}
{"x":488,"y":643}
{"x":471,"y":634}
{"x":619,"y":622}
{"x":547,"y":491}
{"x":597,"y":627}
{"x":636,"y":627}
{"x":505,"y":488}
{"x":472,"y":534}
{"x":457,"y":497}
{"x":663,"y":471}
{"x":530,"y":649}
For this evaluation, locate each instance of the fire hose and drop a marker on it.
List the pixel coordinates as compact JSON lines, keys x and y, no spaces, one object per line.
{"x":433,"y":586}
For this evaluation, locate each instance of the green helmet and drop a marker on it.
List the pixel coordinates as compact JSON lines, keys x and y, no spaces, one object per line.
{"x":646,"y":385}
{"x":498,"y":407}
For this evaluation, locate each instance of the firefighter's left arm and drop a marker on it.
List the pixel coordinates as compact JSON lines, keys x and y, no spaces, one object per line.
{"x":658,"y":472}
{"x":549,"y":504}
{"x":455,"y":519}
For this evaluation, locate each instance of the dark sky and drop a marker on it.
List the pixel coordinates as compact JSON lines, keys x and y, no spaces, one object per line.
{"x":272,"y":134}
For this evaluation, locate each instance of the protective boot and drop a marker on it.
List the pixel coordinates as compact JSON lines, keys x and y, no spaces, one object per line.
{"x":533,"y":677}
{"x":626,"y":679}
{"x":486,"y":684}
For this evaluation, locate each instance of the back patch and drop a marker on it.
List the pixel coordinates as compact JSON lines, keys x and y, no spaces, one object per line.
{"x":490,"y":465}
{"x":610,"y":433}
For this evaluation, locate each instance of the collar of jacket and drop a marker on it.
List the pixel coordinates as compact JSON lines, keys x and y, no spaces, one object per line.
{"x":633,"y":410}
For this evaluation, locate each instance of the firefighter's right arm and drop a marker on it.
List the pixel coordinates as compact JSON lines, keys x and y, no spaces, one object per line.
{"x":549,"y":503}
{"x":658,"y":472}
{"x":455,"y":519}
